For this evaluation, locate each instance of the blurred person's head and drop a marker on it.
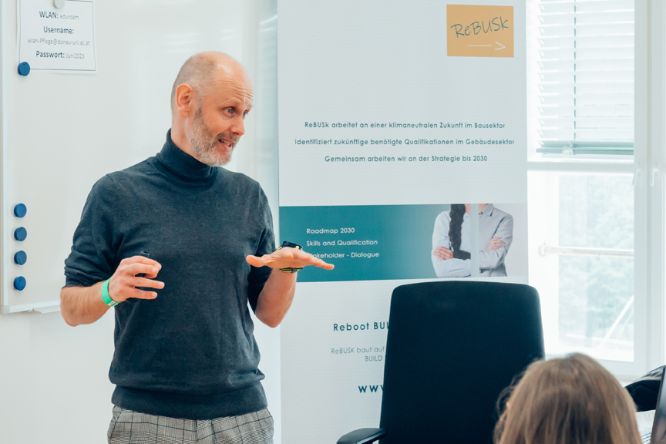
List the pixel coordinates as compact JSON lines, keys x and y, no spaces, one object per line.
{"x":570,"y":400}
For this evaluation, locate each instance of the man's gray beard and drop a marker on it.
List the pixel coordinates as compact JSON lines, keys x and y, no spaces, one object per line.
{"x":206,"y":152}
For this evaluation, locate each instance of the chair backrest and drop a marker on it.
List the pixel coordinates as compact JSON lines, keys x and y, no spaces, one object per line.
{"x":452,"y":348}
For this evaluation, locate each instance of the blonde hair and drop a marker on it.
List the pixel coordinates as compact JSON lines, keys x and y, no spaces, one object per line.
{"x":570,"y":400}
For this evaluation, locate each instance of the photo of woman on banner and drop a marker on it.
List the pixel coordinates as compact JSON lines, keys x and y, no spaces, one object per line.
{"x":452,"y":241}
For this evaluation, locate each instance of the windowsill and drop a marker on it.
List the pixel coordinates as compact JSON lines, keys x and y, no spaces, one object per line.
{"x":581,"y":163}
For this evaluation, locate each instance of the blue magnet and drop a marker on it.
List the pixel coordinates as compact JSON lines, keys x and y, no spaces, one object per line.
{"x":20,"y":258}
{"x":20,"y":210}
{"x":24,"y":68}
{"x":20,"y":234}
{"x":20,"y":283}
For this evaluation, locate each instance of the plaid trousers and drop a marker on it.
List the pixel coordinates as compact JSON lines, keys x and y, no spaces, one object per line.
{"x":129,"y":427}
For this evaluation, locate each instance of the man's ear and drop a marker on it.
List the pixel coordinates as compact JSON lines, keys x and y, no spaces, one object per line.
{"x":184,"y":98}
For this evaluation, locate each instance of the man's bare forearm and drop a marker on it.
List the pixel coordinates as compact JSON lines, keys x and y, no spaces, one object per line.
{"x":276,"y":298}
{"x":82,"y":305}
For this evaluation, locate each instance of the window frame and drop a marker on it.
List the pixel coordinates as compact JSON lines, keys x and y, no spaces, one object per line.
{"x":649,"y":183}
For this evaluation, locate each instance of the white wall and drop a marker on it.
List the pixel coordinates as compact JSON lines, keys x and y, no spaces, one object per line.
{"x":53,"y":380}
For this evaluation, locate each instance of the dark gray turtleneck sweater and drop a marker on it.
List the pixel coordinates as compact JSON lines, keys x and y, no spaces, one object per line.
{"x":191,"y":352}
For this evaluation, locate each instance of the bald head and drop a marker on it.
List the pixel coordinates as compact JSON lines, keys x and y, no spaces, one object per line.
{"x":209,"y":101}
{"x":204,"y":70}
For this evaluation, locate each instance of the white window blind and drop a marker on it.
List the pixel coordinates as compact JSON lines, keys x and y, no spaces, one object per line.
{"x":585,"y":66}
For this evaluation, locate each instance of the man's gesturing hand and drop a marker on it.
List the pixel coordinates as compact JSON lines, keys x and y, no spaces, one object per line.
{"x":288,"y":257}
{"x":123,"y":283}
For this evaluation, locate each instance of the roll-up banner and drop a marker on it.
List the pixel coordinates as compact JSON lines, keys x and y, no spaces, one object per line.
{"x":402,"y":159}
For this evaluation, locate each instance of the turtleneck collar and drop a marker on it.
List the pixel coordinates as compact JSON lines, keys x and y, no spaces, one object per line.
{"x":180,"y":164}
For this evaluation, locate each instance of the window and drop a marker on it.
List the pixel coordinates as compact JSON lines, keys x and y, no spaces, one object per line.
{"x":582,"y":256}
{"x":585,"y":236}
{"x":585,"y":76}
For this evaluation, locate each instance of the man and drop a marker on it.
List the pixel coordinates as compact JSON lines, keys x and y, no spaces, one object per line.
{"x":180,"y":247}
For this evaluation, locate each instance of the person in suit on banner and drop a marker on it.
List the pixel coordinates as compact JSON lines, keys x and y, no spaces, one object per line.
{"x":451,"y":253}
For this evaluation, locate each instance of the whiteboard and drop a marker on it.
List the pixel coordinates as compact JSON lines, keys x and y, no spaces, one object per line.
{"x":62,"y":130}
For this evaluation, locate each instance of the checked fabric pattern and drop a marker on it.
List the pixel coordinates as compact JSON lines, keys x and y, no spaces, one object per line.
{"x":129,"y":427}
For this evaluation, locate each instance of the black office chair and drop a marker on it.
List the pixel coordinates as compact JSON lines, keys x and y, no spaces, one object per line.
{"x":452,"y":348}
{"x":645,"y":390}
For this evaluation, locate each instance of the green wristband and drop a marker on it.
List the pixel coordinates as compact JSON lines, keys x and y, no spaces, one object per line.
{"x":106,"y":297}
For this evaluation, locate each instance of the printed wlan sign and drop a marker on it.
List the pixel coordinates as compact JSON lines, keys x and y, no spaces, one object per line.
{"x":56,"y":35}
